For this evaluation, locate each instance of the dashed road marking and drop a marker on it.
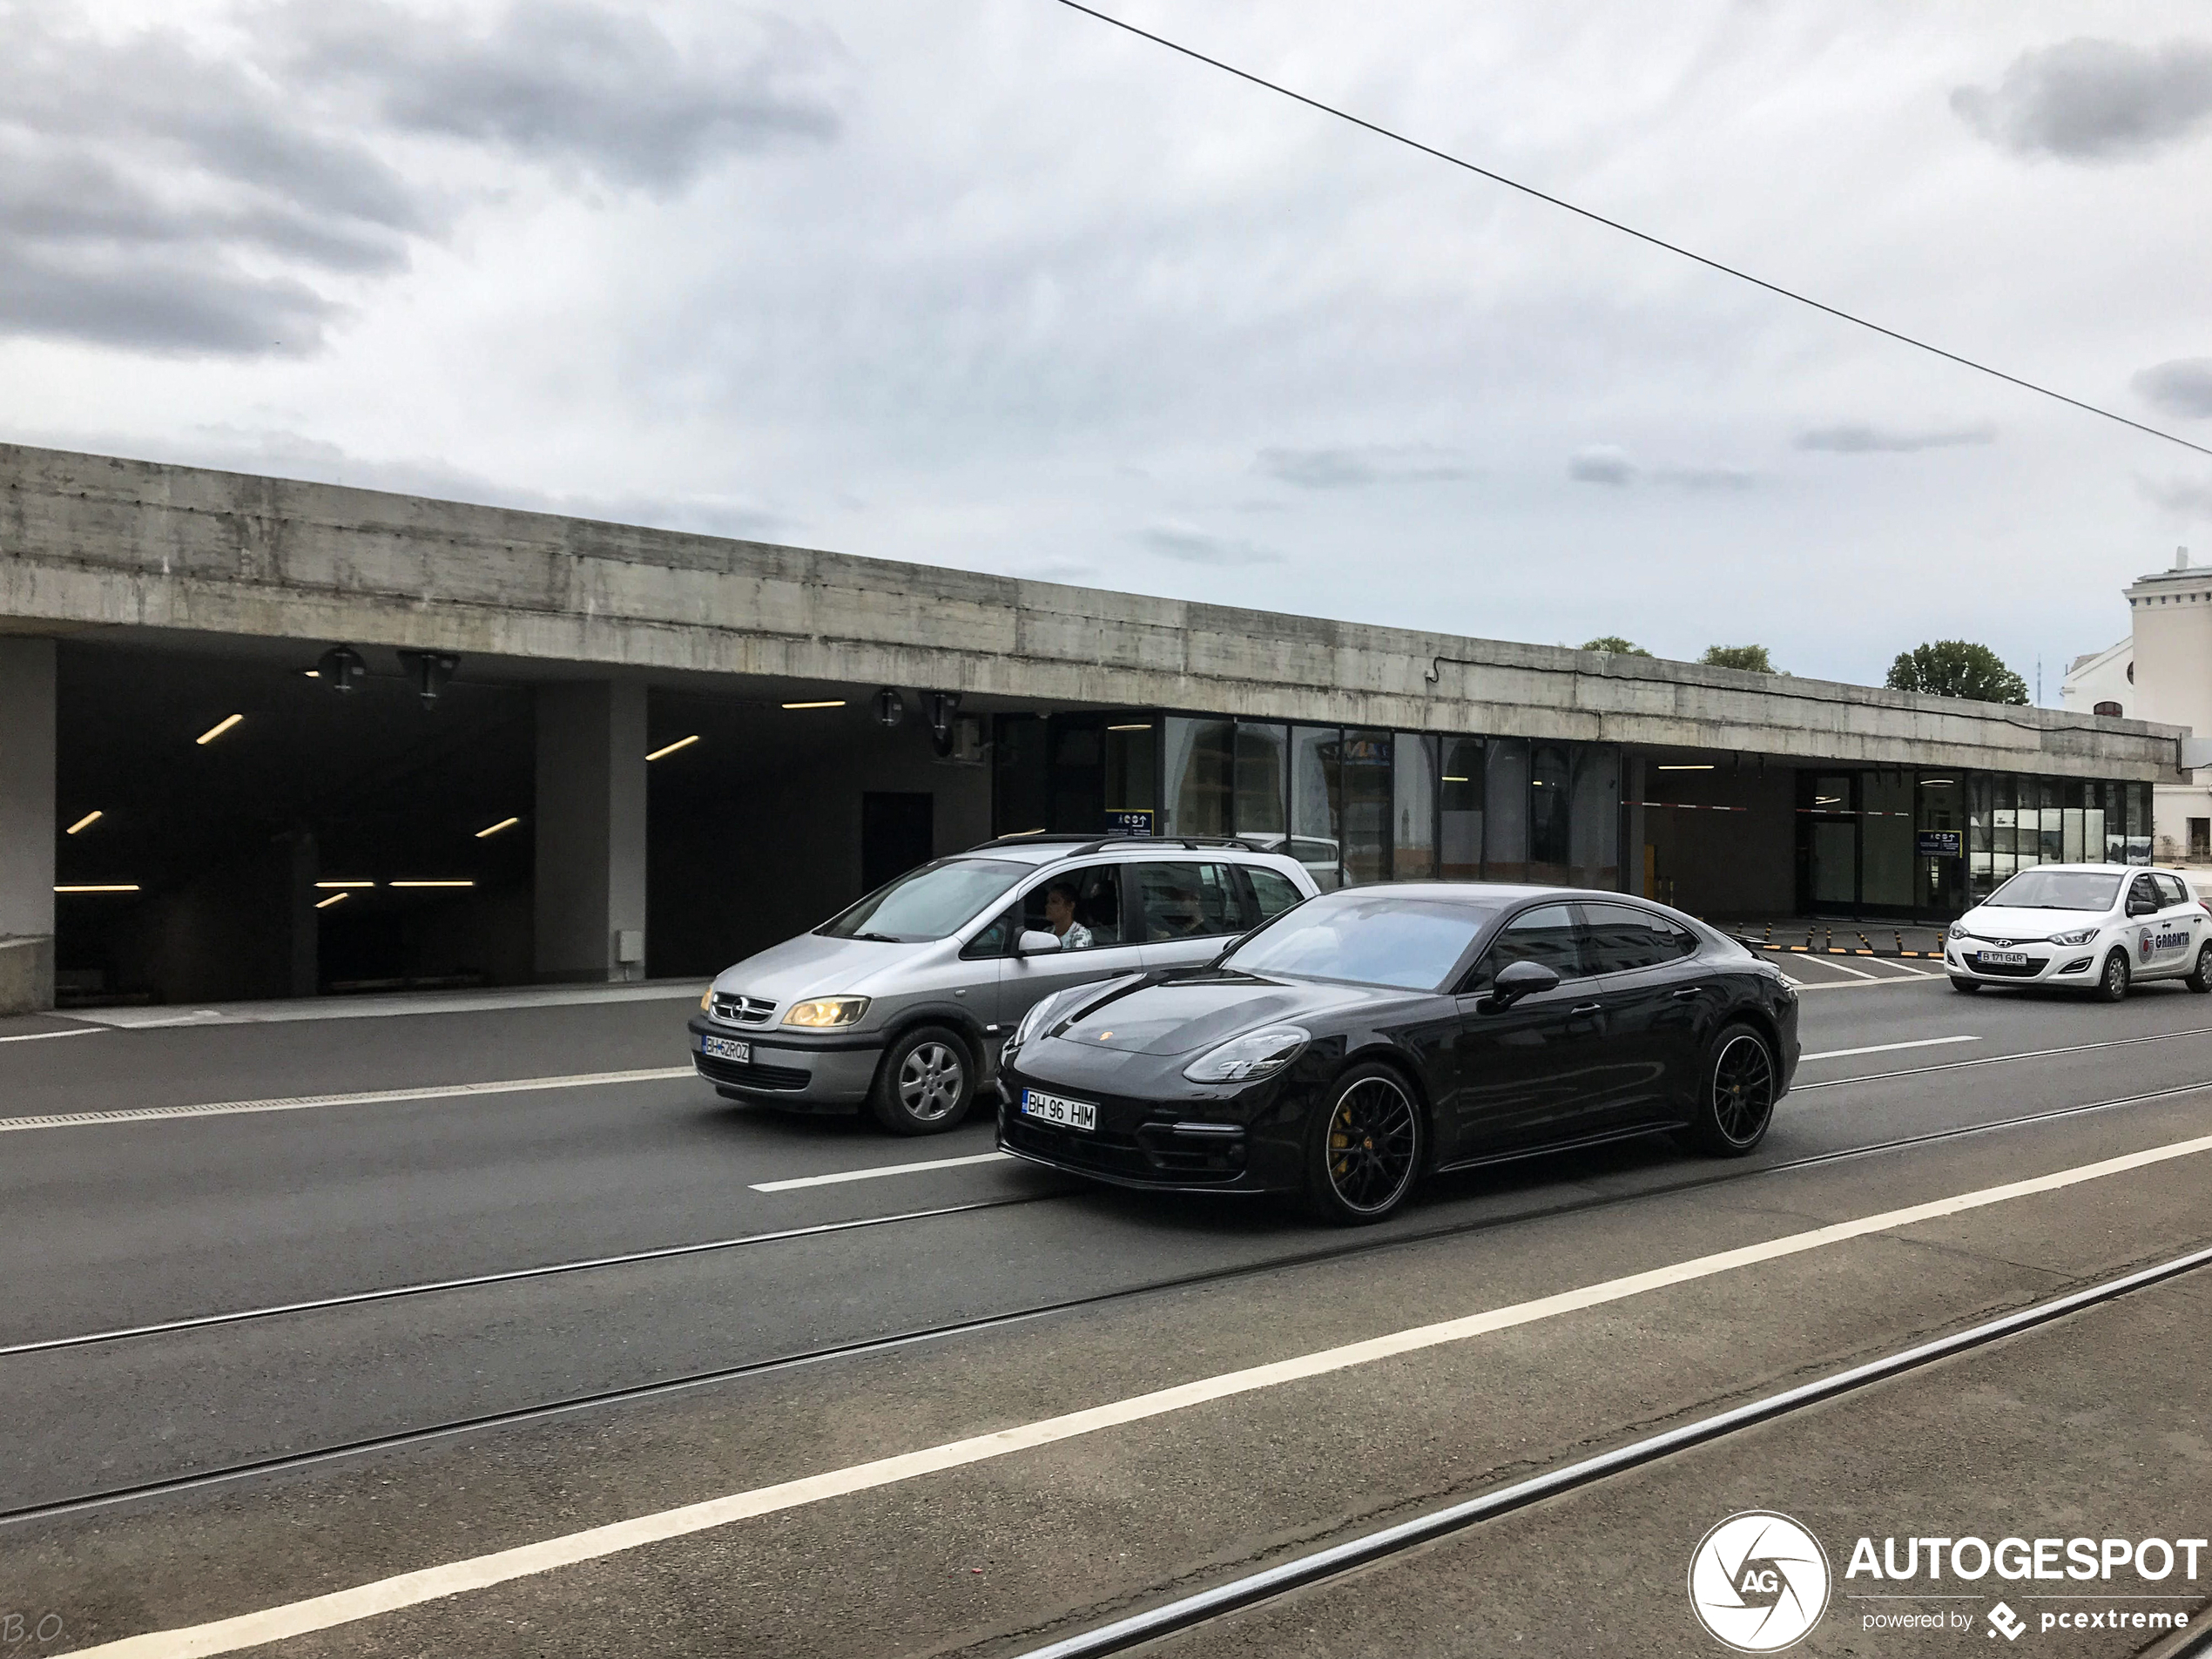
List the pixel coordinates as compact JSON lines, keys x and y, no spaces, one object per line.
{"x":40,"y":1036}
{"x":457,"y":1578}
{"x":363,"y":1097}
{"x":843,"y":1176}
{"x":1885,"y":1047}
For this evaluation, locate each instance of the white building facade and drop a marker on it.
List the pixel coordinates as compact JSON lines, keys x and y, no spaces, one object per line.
{"x":2162,"y":671}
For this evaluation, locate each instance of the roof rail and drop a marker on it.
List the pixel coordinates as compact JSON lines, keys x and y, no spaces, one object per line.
{"x":1077,"y":844}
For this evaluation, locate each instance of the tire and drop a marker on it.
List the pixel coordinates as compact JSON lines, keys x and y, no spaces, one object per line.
{"x":2114,"y":978}
{"x":926,"y":1084}
{"x":1968,"y":986}
{"x":2199,"y":978}
{"x":1364,"y":1148}
{"x":1736,"y":1087}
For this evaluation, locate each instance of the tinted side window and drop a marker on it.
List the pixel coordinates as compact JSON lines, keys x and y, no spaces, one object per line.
{"x":1187,"y":901}
{"x":2171,"y":891}
{"x":995,"y":940}
{"x":1274,"y":892}
{"x":1545,"y":934}
{"x":1083,"y":907}
{"x":1617,"y":938}
{"x":2143,"y":892}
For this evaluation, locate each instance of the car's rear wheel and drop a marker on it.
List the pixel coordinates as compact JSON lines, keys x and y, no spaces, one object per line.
{"x":926,"y":1084}
{"x":1969,"y":986}
{"x":2113,"y":981}
{"x":2199,"y":978}
{"x":1735,"y":1094}
{"x":1364,"y":1150}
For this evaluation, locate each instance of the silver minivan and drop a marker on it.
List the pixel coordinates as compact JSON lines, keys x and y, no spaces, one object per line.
{"x":901,"y":1003}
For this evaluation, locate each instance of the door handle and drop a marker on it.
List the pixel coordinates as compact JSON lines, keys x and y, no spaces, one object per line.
{"x":1695,"y":991}
{"x":1587,"y":1008}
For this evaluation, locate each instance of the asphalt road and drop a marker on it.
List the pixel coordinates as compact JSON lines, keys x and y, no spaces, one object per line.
{"x":1031,"y":1298}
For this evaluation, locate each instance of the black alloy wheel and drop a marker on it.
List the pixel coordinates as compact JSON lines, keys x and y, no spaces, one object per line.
{"x":1736,"y":1094}
{"x":2112,"y":984}
{"x":1969,"y":986}
{"x":926,"y":1084}
{"x":1362,"y":1152}
{"x":2199,"y":978}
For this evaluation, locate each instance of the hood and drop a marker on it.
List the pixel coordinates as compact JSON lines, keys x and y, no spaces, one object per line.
{"x":2005,"y":922}
{"x":1178,"y":1015}
{"x":815,"y":965}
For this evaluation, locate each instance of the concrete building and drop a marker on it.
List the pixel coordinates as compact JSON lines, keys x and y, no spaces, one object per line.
{"x":260,"y":738}
{"x":2162,"y":671}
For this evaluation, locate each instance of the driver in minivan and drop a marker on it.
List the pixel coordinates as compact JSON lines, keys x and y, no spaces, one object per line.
{"x":1060,"y":916}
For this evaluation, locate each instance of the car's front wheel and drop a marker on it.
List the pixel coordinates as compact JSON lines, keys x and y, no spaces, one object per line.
{"x":1969,"y":986}
{"x":2199,"y":978}
{"x":1736,"y":1094}
{"x":2112,"y":983}
{"x":1364,"y":1150}
{"x":926,"y":1084}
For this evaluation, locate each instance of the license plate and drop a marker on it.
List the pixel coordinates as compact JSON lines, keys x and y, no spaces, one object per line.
{"x":1050,"y":1109}
{"x":726,"y":1049}
{"x":2004,"y":958}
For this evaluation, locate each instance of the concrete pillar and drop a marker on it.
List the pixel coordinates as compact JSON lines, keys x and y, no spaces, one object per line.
{"x":590,"y":829}
{"x":27,"y":827}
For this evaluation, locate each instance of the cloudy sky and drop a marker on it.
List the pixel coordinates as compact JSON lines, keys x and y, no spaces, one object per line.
{"x":986,"y":283}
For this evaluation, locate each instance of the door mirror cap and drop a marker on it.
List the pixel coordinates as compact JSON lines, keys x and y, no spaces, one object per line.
{"x":2140,"y":907}
{"x":1517,"y":979}
{"x":1035,"y":941}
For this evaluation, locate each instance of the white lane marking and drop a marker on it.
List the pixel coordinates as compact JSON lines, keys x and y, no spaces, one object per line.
{"x":1868,"y":983}
{"x":1885,"y":1047}
{"x":2001,"y":1059}
{"x":364,"y":1097}
{"x":881,"y":1170}
{"x":39,"y":1036}
{"x":1841,"y":968}
{"x":455,"y":1578}
{"x":1903,"y":967}
{"x":384,"y":1006}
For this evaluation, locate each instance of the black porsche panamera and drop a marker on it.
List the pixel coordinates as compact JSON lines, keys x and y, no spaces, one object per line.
{"x":1373,"y":1034}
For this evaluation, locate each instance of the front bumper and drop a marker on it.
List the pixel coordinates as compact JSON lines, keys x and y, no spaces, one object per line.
{"x":2047,"y":964}
{"x":824,"y":1075}
{"x":1205,"y":1143}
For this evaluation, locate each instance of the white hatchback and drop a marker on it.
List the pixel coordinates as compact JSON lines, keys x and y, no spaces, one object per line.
{"x":2101,"y":926}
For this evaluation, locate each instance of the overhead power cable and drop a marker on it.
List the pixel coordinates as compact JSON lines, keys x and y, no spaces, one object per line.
{"x":1630,"y":229}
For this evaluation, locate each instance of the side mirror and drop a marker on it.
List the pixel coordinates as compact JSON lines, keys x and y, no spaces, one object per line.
{"x":1517,"y":979}
{"x":1035,"y":941}
{"x":2139,"y":906}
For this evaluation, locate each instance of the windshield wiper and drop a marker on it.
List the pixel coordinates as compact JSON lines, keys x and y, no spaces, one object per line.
{"x":881,"y":938}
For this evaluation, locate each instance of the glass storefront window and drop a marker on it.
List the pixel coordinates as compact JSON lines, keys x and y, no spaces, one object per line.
{"x":1263,"y":779}
{"x":1833,"y":842}
{"x":1196,"y":777}
{"x":1459,"y":794}
{"x":1365,"y":760}
{"x":1132,"y":754}
{"x":1505,"y":843}
{"x":1594,"y":818}
{"x":2138,"y":822}
{"x":1885,"y":841}
{"x":1317,"y":836}
{"x":1412,"y":819}
{"x":1550,"y":805}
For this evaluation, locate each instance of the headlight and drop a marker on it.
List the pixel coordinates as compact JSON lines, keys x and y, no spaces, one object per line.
{"x":1032,"y":1022}
{"x":1958,"y":930}
{"x":706,"y":1000}
{"x":2079,"y":936}
{"x":1245,"y":1059}
{"x":827,"y":1010}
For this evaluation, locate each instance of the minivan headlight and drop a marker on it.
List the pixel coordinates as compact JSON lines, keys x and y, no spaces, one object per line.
{"x":1246,"y":1059}
{"x":2079,"y":936}
{"x":827,"y":1010}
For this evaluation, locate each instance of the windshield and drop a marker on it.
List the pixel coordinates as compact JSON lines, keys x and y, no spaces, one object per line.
{"x":928,"y":903}
{"x":2058,"y":890}
{"x":1370,"y":939}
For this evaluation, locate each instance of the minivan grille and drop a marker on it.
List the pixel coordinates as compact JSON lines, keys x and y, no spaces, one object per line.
{"x":734,"y":1009}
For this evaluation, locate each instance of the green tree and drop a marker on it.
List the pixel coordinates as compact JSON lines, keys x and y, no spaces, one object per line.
{"x":1957,"y":668}
{"x":1617,"y":645}
{"x":1751,"y":657}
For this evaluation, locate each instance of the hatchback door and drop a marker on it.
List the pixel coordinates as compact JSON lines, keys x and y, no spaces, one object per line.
{"x":1534,"y":1071}
{"x":1657,"y":1004}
